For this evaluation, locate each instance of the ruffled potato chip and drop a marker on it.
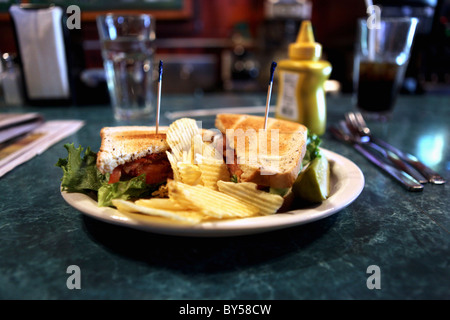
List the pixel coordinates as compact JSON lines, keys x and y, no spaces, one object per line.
{"x":179,"y":136}
{"x":189,"y":173}
{"x":163,"y":204}
{"x":247,"y":192}
{"x":209,"y":202}
{"x":186,"y":216}
{"x":212,"y":170}
{"x":174,"y":164}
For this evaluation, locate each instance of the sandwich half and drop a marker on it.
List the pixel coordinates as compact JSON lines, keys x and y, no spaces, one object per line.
{"x":130,"y":151}
{"x":271,"y":158}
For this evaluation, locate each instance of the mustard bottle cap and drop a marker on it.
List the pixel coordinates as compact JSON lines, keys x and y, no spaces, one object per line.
{"x":305,"y":48}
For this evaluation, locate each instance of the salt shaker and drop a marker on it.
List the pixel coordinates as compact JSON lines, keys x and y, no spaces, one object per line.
{"x":11,"y":81}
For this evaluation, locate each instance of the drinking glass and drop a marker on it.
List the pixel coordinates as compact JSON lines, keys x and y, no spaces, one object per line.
{"x":381,"y":57}
{"x":127,"y":42}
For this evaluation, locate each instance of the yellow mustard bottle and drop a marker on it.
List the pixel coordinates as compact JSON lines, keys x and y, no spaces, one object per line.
{"x":301,"y":87}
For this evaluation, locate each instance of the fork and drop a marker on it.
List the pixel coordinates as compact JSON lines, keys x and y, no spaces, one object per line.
{"x":356,"y":121}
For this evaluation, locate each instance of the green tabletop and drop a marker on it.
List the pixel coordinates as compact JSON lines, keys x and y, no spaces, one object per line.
{"x":406,"y":235}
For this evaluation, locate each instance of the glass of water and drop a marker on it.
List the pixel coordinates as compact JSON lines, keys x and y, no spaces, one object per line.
{"x":127,"y":49}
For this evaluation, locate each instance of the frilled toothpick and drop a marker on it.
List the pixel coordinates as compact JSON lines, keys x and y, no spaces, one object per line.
{"x":158,"y":105}
{"x":269,"y":93}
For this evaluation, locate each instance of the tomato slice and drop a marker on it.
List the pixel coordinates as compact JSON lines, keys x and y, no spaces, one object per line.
{"x":156,"y":173}
{"x":115,"y":175}
{"x":156,"y":168}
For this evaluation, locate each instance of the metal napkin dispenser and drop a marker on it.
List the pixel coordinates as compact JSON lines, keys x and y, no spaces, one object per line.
{"x":42,"y":50}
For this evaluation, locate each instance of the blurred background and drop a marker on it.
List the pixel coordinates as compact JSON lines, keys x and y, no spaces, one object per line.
{"x":228,"y":45}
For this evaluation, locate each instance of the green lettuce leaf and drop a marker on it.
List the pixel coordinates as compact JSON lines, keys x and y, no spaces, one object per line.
{"x":80,"y":171}
{"x":80,"y":174}
{"x":312,"y":148}
{"x":133,"y":188}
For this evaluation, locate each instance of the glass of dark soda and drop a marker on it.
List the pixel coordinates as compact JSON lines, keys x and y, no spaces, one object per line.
{"x":381,"y":57}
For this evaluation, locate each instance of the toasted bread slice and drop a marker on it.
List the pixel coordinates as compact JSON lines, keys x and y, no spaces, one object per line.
{"x":123,"y":144}
{"x":268,"y":158}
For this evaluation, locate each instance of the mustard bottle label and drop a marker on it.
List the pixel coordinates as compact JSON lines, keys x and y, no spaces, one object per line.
{"x":288,"y":104}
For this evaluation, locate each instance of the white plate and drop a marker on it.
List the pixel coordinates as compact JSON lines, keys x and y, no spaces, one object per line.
{"x":347,"y":182}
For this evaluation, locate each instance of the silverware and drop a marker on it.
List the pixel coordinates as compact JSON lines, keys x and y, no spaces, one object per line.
{"x":356,"y":120}
{"x":355,"y":131}
{"x":390,"y":157}
{"x":402,"y":177}
{"x":386,"y":154}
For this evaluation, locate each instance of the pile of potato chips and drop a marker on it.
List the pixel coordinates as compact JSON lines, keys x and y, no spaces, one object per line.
{"x":201,"y":189}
